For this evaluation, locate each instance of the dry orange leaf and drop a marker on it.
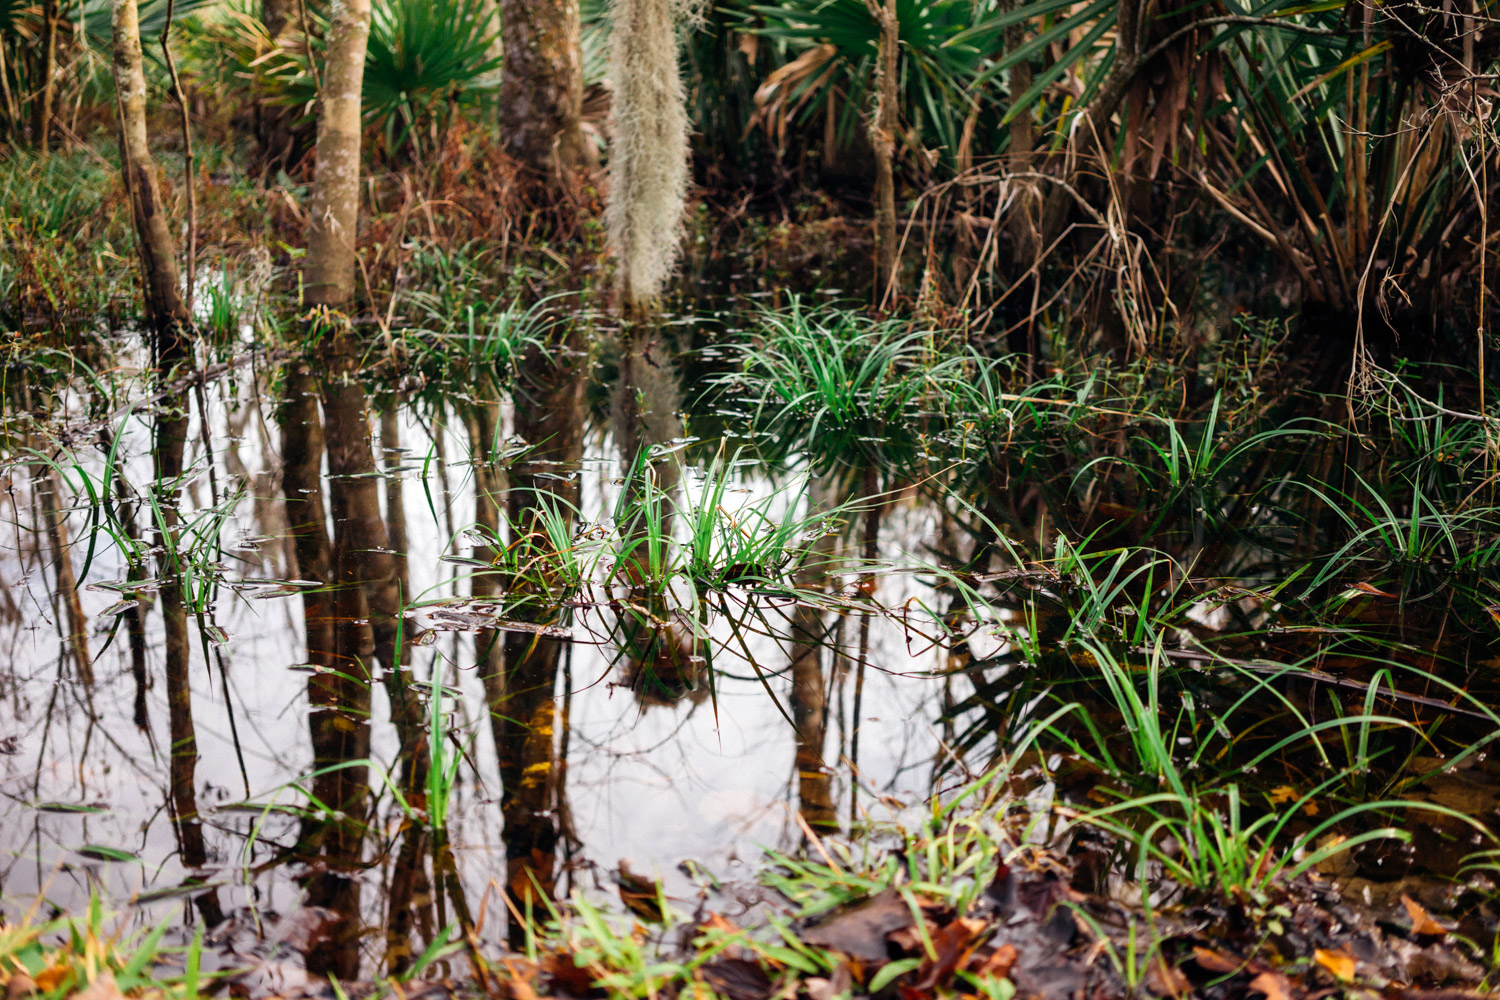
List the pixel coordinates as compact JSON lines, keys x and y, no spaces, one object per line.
{"x":1336,"y":962}
{"x":1368,"y":588}
{"x":1285,"y":793}
{"x":52,"y":977}
{"x":1421,"y":920}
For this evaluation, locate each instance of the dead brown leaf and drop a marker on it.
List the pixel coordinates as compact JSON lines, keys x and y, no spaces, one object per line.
{"x":1166,"y":980}
{"x":52,"y":977}
{"x":861,"y":930}
{"x":1422,"y":923}
{"x":567,"y":974}
{"x":954,"y":943}
{"x":1273,"y":984}
{"x":737,"y":979}
{"x":997,"y":963}
{"x":519,"y":981}
{"x":1372,"y":590}
{"x":1210,"y":960}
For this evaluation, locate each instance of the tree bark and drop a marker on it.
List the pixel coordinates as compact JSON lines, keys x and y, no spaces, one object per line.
{"x":883,"y":138}
{"x":541,"y":84}
{"x":164,"y":305}
{"x":41,"y":126}
{"x":332,"y":229}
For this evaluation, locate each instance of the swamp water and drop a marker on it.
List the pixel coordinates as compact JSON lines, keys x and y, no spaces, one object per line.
{"x":451,"y":651}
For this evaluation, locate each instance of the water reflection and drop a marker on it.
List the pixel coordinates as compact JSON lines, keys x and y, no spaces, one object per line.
{"x":273,"y":633}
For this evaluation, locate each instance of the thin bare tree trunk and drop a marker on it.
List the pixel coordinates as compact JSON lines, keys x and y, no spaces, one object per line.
{"x":883,"y":138}
{"x":395,"y":504}
{"x":41,"y":125}
{"x":67,"y":580}
{"x":332,"y":229}
{"x":171,"y":351}
{"x":541,"y":84}
{"x":810,"y":636}
{"x":164,"y":305}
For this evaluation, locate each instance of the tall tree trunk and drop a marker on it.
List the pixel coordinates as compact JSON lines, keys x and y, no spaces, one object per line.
{"x":41,"y":122}
{"x":541,"y":84}
{"x":164,"y":305}
{"x":883,"y":138}
{"x":1025,"y":217}
{"x":648,"y":167}
{"x":333,"y":226}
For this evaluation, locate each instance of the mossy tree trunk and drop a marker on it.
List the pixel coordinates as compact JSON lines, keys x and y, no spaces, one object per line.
{"x":883,"y":138}
{"x":648,"y":167}
{"x":541,"y":84}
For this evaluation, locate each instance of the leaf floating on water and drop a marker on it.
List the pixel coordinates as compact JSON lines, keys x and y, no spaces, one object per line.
{"x":191,"y":887}
{"x":120,"y":607}
{"x":467,"y":561}
{"x":69,"y":807}
{"x":101,"y":853}
{"x":308,"y":668}
{"x":216,"y":634}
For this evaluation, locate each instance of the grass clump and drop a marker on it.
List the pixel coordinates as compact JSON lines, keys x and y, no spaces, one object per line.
{"x":83,"y":956}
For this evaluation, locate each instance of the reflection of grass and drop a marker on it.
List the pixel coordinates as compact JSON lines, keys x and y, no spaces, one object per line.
{"x":62,"y":957}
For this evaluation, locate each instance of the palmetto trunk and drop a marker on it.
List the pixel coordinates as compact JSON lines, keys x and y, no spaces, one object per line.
{"x":332,"y":228}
